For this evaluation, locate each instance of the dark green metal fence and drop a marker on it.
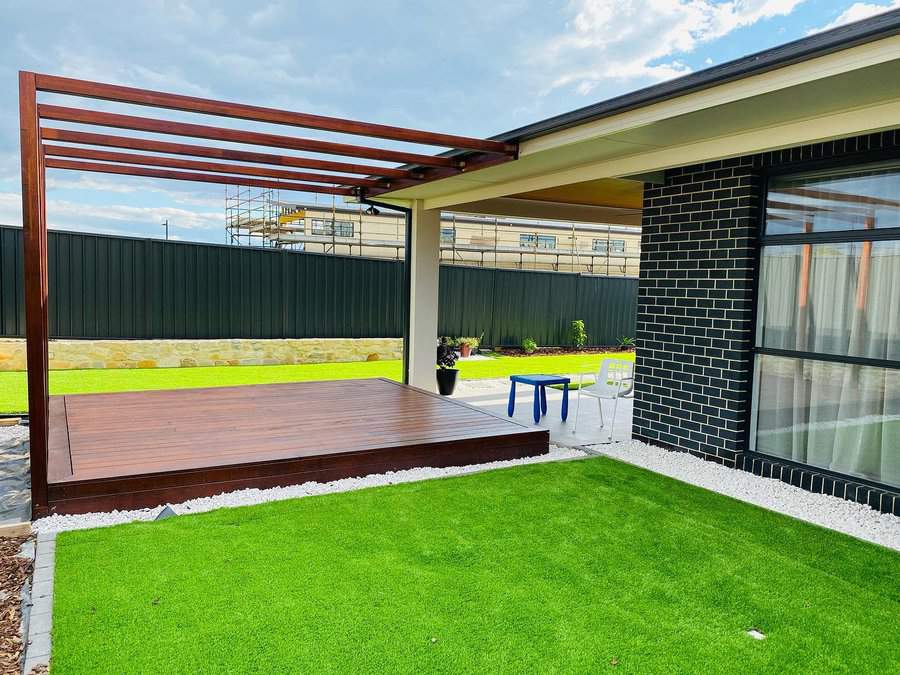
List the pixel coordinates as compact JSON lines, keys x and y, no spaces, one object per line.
{"x":118,"y":287}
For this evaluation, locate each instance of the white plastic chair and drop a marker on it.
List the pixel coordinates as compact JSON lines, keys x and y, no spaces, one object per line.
{"x":614,"y":380}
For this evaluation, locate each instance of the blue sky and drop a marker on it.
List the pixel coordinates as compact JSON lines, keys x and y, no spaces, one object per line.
{"x":466,"y":66}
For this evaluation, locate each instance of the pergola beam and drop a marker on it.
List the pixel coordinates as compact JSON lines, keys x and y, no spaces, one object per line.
{"x":115,"y":120}
{"x":149,"y":145}
{"x":213,"y":167}
{"x":156,"y":99}
{"x":124,"y":170}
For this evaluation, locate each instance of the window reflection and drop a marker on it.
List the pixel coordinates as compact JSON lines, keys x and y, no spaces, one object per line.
{"x":835,"y":416}
{"x":841,"y":299}
{"x":830,"y":201}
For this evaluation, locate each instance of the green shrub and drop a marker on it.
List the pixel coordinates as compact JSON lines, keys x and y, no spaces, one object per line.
{"x":626,"y":342}
{"x":577,"y":333}
{"x":529,"y":346}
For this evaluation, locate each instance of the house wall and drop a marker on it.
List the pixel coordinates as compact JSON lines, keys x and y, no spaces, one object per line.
{"x":699,"y":257}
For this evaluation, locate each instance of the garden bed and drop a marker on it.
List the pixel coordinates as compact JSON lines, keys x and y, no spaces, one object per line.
{"x":561,"y":351}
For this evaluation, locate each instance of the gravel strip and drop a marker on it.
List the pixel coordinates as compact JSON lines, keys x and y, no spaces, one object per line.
{"x":851,"y":518}
{"x":58,"y":523}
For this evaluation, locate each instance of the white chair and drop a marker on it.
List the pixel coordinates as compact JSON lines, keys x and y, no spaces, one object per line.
{"x":614,"y":380}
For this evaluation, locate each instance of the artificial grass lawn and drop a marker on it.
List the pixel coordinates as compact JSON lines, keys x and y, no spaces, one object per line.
{"x":13,"y":393}
{"x":568,"y":567}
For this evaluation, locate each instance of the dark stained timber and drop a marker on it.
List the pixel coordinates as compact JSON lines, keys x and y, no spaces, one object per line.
{"x":194,"y":165}
{"x":125,"y":170}
{"x":35,"y":267}
{"x":156,"y":126}
{"x":157,"y":99}
{"x":149,"y":145}
{"x":168,"y":446}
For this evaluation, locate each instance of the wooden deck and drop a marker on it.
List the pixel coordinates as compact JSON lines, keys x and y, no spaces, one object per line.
{"x":139,"y":449}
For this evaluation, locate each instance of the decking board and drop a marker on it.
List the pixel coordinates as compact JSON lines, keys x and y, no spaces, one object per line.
{"x":138,"y":449}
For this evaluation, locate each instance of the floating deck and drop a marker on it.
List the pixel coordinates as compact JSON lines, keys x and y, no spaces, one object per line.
{"x":141,"y":449}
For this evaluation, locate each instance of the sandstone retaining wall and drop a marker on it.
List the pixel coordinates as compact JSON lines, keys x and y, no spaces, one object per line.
{"x":83,"y":354}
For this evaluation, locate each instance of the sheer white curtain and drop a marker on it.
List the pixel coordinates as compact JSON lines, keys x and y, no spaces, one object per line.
{"x":841,"y":299}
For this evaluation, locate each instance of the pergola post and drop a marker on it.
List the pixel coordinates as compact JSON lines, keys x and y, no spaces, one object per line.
{"x":36,"y":283}
{"x":423,"y":294}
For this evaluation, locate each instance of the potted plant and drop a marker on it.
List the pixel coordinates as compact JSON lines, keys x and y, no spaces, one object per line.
{"x":446,"y":373}
{"x":466,"y":345}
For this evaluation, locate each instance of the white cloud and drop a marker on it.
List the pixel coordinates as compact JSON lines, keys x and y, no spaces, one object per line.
{"x":857,"y":12}
{"x":82,"y":182}
{"x":109,"y":218}
{"x":210,"y":197}
{"x":640,"y":39}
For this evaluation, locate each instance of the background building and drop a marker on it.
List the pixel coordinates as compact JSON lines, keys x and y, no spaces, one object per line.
{"x":257,"y":217}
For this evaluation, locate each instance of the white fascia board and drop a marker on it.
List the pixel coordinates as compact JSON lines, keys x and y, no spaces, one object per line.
{"x":867,"y":119}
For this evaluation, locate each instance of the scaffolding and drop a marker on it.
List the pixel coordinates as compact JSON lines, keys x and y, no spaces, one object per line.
{"x":257,"y":217}
{"x":251,"y":215}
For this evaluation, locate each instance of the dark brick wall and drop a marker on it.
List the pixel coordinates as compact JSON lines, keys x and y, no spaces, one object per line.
{"x":695,"y":308}
{"x":695,"y":297}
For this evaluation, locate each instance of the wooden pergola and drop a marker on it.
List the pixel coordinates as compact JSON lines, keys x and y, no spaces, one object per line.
{"x":49,"y":147}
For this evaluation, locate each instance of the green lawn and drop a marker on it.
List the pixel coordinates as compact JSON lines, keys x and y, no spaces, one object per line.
{"x":13,"y":397}
{"x":571,"y":567}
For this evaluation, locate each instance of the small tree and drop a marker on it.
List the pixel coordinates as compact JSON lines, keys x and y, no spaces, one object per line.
{"x":577,"y":334}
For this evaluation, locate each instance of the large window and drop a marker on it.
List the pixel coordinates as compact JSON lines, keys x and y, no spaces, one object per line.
{"x":537,"y":240}
{"x":609,"y":245}
{"x":827,"y":372}
{"x":448,"y":235}
{"x":328,"y":228}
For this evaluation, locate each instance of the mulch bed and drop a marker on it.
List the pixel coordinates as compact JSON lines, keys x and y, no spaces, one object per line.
{"x":13,"y":573}
{"x":559,"y":351}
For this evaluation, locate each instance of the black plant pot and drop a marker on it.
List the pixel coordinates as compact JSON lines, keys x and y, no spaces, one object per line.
{"x":446,"y":380}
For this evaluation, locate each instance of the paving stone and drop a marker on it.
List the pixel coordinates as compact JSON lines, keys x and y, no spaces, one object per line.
{"x":40,"y":622}
{"x":38,"y":645}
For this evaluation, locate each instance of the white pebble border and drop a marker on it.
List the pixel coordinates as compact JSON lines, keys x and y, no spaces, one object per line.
{"x":856,"y":520}
{"x":851,"y":518}
{"x":248,"y":497}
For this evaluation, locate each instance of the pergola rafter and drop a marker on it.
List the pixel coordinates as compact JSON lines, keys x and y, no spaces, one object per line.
{"x":81,"y":150}
{"x":148,"y":145}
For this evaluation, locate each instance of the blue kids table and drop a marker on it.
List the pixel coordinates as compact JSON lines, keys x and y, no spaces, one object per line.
{"x":539,"y":382}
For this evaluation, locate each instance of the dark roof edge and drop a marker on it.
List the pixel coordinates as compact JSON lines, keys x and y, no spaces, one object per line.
{"x":837,"y":39}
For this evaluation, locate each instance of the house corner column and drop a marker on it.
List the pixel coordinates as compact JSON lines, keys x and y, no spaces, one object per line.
{"x":425,"y":239}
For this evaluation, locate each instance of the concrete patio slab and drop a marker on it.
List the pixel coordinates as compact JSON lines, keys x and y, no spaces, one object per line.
{"x":493,"y":395}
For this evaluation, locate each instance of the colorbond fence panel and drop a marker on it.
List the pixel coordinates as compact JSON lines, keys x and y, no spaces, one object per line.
{"x":119,"y":287}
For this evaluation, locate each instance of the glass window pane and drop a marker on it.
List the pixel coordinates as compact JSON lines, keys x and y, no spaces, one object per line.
{"x":856,"y":199}
{"x":833,"y":416}
{"x":840,"y":299}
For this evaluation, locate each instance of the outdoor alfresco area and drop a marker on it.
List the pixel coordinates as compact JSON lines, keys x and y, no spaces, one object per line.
{"x":277,"y":454}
